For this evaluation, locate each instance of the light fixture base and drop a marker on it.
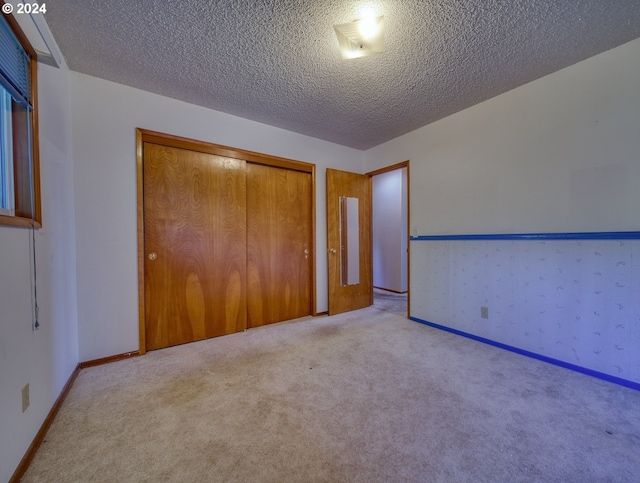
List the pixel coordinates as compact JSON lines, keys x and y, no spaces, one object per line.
{"x":361,"y":38}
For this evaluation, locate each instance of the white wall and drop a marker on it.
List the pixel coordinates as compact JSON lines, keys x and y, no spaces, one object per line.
{"x":390,"y":230}
{"x":574,"y":301}
{"x":47,"y":357}
{"x":105,"y":116}
{"x":561,"y":154}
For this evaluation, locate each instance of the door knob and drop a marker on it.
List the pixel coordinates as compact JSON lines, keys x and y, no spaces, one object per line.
{"x":332,"y":250}
{"x":152,"y":256}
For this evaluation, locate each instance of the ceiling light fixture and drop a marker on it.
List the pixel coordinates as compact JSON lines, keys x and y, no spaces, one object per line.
{"x":361,"y":38}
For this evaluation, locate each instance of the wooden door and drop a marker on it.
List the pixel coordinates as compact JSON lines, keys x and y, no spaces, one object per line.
{"x":194,"y":245}
{"x":278,"y":244}
{"x":344,"y":297}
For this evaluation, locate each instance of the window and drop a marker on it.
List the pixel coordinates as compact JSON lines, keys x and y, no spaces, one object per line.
{"x":19,"y":161}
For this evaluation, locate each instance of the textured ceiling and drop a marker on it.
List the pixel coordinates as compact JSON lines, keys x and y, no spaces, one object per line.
{"x":277,"y":61}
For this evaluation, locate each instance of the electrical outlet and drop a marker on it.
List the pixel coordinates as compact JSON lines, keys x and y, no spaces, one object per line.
{"x":25,"y":397}
{"x":484,"y":312}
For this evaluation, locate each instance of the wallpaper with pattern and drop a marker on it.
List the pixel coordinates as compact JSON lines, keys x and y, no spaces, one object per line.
{"x":577,"y":301}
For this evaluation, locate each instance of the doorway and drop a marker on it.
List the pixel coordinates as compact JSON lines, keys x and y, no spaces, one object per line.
{"x":390,"y":238}
{"x":353,"y":193}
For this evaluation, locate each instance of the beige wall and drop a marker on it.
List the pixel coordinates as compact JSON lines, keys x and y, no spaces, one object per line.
{"x":560,"y":154}
{"x":45,"y":358}
{"x":390,"y":230}
{"x":105,"y":116}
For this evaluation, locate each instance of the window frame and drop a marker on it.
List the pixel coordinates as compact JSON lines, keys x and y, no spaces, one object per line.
{"x":26,"y":174}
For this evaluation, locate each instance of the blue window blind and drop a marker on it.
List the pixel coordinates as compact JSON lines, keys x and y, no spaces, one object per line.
{"x":14,"y":66}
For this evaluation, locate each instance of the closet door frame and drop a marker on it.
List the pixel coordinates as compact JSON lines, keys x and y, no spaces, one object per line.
{"x":146,"y":136}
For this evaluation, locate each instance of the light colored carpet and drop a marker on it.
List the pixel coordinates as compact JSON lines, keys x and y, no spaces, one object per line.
{"x":365,"y":396}
{"x":390,"y":301}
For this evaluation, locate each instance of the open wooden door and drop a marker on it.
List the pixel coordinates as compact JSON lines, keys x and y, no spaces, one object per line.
{"x":349,"y":241}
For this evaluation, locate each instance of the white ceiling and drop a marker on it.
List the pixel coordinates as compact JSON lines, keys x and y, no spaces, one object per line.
{"x":277,"y":61}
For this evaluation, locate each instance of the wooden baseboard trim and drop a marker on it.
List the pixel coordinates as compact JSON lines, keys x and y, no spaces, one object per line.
{"x":107,"y":360}
{"x":42,"y":432}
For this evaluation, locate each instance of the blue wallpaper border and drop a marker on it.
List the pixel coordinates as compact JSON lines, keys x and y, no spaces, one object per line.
{"x":566,"y":365}
{"x":599,"y":235}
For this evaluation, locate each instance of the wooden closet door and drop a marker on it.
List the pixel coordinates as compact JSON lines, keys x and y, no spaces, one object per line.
{"x":278,"y":244}
{"x":194,"y":245}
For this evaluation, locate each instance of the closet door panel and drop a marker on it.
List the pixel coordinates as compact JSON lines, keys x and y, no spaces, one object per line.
{"x":194,"y":245}
{"x":278,"y":244}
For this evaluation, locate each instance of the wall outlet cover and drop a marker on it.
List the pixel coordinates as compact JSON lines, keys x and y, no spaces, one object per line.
{"x":25,"y":397}
{"x":484,"y":312}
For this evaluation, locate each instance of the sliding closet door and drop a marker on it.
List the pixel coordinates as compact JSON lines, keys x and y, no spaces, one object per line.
{"x":194,"y":245}
{"x":278,"y":244}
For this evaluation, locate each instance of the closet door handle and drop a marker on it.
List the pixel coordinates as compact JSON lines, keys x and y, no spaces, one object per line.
{"x":152,"y":256}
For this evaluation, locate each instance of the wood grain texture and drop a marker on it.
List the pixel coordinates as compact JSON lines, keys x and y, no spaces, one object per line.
{"x":385,"y":169}
{"x":108,"y":360}
{"x":195,"y":222}
{"x":225,"y":151}
{"x":349,"y":297}
{"x":141,"y":255}
{"x":35,"y":142}
{"x":279,"y":244}
{"x":235,"y":293}
{"x":18,"y":221}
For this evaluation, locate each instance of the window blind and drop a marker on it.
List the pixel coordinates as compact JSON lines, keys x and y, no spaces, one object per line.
{"x":14,"y":66}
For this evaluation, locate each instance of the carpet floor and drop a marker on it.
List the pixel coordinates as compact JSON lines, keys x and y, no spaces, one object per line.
{"x":367,"y":396}
{"x":390,"y":301}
